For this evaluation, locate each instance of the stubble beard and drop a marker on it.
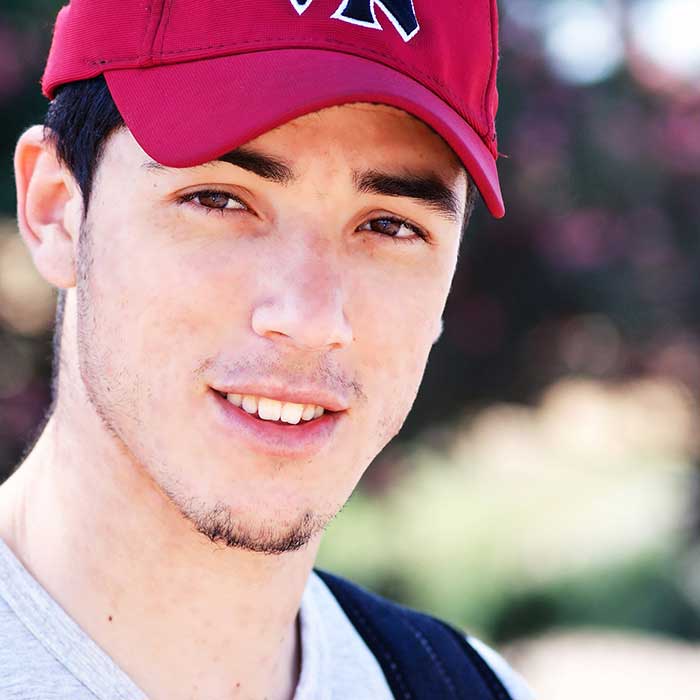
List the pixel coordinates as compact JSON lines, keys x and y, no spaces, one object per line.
{"x":219,"y":526}
{"x":113,"y":403}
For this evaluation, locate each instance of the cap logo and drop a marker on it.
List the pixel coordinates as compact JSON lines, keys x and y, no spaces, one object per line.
{"x":401,"y":13}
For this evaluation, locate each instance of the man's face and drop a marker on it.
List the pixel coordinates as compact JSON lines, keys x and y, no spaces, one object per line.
{"x":277,"y":277}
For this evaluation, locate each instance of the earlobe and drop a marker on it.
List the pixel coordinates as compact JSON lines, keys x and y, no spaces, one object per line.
{"x":49,"y":208}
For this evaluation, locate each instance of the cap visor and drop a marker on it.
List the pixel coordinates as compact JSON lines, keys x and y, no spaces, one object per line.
{"x":185,"y":114}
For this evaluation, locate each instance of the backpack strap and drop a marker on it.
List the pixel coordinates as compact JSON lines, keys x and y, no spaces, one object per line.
{"x":422,"y":657}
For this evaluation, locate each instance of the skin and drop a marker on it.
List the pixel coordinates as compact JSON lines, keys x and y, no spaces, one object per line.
{"x":166,"y":299}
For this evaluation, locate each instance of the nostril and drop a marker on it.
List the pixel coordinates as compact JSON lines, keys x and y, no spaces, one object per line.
{"x":316,"y":325}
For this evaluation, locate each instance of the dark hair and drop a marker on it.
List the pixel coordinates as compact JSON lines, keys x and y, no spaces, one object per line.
{"x":78,"y":122}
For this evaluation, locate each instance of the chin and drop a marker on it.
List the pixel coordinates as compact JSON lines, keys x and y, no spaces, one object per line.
{"x":260,"y":523}
{"x":253,"y":532}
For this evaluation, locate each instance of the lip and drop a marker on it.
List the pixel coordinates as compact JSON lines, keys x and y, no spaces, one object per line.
{"x":276,"y":439}
{"x":316,"y":396}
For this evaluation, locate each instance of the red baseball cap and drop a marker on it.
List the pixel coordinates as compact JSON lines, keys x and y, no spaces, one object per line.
{"x":194,"y":79}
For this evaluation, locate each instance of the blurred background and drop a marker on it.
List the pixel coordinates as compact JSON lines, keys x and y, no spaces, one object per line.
{"x":545,"y":491}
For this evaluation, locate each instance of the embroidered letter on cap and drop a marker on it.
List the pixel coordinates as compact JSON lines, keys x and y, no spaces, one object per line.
{"x":401,"y":13}
{"x":363,"y":12}
{"x":300,"y":5}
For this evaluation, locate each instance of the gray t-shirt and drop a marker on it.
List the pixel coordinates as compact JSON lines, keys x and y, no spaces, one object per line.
{"x":45,"y":655}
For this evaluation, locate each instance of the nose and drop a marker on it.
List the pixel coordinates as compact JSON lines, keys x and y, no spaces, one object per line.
{"x":305,"y":306}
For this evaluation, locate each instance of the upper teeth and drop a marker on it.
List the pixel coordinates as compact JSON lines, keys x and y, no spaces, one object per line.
{"x":271,"y":409}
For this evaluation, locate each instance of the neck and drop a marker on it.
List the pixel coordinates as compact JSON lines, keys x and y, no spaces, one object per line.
{"x":183,"y":617}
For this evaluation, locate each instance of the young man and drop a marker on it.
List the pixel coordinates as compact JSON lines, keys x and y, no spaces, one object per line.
{"x":252,"y":211}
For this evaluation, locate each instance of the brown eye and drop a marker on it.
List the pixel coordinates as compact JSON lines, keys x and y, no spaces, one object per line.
{"x":217,"y":200}
{"x":390,"y":227}
{"x":393,"y":228}
{"x":213,"y":200}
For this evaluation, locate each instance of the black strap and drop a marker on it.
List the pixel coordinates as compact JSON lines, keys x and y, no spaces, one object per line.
{"x":422,"y":657}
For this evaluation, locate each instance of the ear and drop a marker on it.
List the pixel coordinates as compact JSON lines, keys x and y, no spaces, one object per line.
{"x":49,"y":208}
{"x":438,"y":333}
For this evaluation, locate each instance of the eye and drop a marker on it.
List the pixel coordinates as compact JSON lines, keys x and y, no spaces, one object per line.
{"x":213,"y":200}
{"x":394,"y":228}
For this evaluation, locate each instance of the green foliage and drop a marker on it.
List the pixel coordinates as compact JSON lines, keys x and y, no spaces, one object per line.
{"x":507,"y":548}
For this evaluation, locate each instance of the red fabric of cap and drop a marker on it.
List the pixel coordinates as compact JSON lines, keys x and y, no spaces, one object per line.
{"x":206,"y":108}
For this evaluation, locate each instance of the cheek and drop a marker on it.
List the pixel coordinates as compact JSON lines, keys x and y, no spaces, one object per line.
{"x":172,"y":295}
{"x":396,"y":313}
{"x":394,"y":339}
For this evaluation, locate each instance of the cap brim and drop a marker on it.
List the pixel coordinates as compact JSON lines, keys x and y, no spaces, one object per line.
{"x":189,"y":113}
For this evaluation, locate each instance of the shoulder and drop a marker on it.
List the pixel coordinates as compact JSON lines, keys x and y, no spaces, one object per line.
{"x":513,"y":682}
{"x":389,"y":627}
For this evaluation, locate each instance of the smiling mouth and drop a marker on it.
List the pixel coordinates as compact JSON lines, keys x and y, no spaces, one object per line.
{"x":270,"y":410}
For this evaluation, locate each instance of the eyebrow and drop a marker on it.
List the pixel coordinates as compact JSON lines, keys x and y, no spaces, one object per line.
{"x":261,"y":164}
{"x":425,"y":188}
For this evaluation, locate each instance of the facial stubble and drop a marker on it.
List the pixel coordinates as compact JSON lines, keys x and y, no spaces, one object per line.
{"x":113,"y":398}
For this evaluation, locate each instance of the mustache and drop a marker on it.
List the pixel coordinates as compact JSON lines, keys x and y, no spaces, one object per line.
{"x":321,"y":372}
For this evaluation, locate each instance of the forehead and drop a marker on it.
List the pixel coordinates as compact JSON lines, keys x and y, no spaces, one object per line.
{"x":371,"y":134}
{"x":363,"y":130}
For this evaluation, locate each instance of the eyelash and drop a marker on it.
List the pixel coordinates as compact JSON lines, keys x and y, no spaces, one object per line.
{"x":420,"y":235}
{"x":191,"y":196}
